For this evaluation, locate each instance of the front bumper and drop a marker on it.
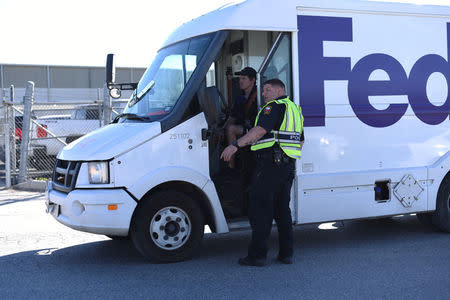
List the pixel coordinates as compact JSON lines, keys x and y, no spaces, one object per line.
{"x":87,"y":209}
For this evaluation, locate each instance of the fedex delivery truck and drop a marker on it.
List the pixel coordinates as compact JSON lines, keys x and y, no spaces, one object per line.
{"x":372,"y":79}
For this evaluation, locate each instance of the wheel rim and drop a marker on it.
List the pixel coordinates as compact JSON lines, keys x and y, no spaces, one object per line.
{"x":170,"y":228}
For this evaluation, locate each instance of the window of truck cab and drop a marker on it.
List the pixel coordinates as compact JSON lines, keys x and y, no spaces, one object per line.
{"x":279,"y":63}
{"x":163,"y":82}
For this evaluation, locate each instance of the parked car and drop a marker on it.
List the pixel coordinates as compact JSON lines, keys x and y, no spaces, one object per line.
{"x":18,"y":123}
{"x":67,"y":128}
{"x":64,"y":129}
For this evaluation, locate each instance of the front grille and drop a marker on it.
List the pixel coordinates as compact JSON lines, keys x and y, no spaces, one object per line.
{"x":65,"y":175}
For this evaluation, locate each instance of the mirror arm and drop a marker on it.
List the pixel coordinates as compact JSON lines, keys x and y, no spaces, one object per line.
{"x":122,"y":86}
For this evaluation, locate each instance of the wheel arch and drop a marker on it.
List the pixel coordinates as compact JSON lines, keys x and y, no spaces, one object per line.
{"x":444,"y":179}
{"x":437,"y":173}
{"x":197,"y":185}
{"x":193,"y":191}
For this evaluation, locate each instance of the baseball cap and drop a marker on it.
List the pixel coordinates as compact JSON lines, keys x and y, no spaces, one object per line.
{"x":247,"y":71}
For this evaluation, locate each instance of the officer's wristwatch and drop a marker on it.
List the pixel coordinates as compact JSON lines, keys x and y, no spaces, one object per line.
{"x":234,"y":143}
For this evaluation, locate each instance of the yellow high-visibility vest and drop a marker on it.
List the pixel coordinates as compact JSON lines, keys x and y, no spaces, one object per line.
{"x":289,"y":133}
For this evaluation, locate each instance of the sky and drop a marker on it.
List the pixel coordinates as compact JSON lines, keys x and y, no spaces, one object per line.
{"x":82,"y":32}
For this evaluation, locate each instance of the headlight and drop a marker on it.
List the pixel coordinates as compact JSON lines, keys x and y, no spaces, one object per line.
{"x":98,"y":172}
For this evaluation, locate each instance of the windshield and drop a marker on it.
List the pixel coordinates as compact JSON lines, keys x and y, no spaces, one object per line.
{"x":162,"y":83}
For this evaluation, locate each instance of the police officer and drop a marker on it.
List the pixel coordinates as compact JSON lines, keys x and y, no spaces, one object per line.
{"x":276,"y":140}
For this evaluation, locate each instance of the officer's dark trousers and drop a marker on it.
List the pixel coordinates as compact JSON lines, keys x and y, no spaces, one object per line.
{"x":269,"y":199}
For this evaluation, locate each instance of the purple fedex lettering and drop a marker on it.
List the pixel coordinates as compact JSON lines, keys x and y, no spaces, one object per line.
{"x":315,"y":68}
{"x":360,"y":88}
{"x":417,"y":92}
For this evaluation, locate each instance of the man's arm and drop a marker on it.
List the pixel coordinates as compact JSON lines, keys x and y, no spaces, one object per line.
{"x":252,"y":136}
{"x":229,"y":121}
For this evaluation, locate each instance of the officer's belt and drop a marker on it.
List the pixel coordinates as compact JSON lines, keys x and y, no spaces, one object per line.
{"x":268,"y":153}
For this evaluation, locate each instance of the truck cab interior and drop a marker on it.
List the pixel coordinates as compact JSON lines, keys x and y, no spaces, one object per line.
{"x":269,"y":53}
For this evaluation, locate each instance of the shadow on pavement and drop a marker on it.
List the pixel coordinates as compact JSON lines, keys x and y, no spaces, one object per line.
{"x":230,"y":246}
{"x":309,"y":239}
{"x":325,"y":261}
{"x":11,"y":201}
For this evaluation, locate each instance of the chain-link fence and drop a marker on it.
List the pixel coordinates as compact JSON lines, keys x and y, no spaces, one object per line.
{"x":8,"y":145}
{"x":51,"y":126}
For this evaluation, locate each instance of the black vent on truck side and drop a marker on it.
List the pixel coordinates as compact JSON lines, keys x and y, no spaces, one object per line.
{"x":65,"y":175}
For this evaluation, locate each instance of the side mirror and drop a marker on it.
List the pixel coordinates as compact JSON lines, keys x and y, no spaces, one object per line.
{"x":110,"y":69}
{"x":115,"y":89}
{"x":114,"y":92}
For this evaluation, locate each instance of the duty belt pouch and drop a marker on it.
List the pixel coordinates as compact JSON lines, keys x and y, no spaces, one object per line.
{"x":286,"y":159}
{"x":277,"y":156}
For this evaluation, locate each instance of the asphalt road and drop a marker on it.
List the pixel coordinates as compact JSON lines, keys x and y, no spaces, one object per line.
{"x":394,"y":258}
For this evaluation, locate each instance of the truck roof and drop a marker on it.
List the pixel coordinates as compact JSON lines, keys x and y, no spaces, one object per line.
{"x":269,"y":15}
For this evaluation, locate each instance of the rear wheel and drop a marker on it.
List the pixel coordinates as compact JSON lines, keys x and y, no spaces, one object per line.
{"x":426,"y":219}
{"x":167,"y":227}
{"x":441,"y":217}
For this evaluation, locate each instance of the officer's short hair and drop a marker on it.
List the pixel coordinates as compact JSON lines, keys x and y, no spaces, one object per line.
{"x":276,"y":82}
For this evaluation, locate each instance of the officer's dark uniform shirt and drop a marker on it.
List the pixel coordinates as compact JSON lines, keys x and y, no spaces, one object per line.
{"x":239,"y":106}
{"x":271,"y":118}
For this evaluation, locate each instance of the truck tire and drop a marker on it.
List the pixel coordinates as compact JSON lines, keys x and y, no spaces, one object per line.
{"x":167,"y":226}
{"x":441,"y":217}
{"x":426,"y":219}
{"x":119,"y":237}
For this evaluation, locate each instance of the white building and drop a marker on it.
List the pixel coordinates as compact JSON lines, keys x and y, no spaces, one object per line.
{"x":61,"y":83}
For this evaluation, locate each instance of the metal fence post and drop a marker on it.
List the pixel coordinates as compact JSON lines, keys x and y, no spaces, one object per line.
{"x":107,"y":105}
{"x":26,"y":129}
{"x":6,"y":131}
{"x":7,"y":145}
{"x":13,"y":136}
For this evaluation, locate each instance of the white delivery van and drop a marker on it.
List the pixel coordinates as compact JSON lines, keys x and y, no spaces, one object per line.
{"x":372,"y":79}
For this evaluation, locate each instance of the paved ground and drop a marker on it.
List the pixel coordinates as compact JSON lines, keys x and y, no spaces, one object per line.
{"x":391,"y":258}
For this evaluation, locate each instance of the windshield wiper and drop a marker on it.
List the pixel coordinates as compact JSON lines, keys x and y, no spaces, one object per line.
{"x":131,"y":117}
{"x":137,"y":98}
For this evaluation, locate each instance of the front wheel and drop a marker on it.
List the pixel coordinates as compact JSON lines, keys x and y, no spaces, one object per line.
{"x":167,"y":227}
{"x":119,"y":237}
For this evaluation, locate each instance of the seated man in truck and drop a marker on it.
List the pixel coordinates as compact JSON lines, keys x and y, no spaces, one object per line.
{"x":244,"y":109}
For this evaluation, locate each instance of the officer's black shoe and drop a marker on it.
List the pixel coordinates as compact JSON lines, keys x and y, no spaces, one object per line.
{"x":287,"y":260}
{"x":248,"y":261}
